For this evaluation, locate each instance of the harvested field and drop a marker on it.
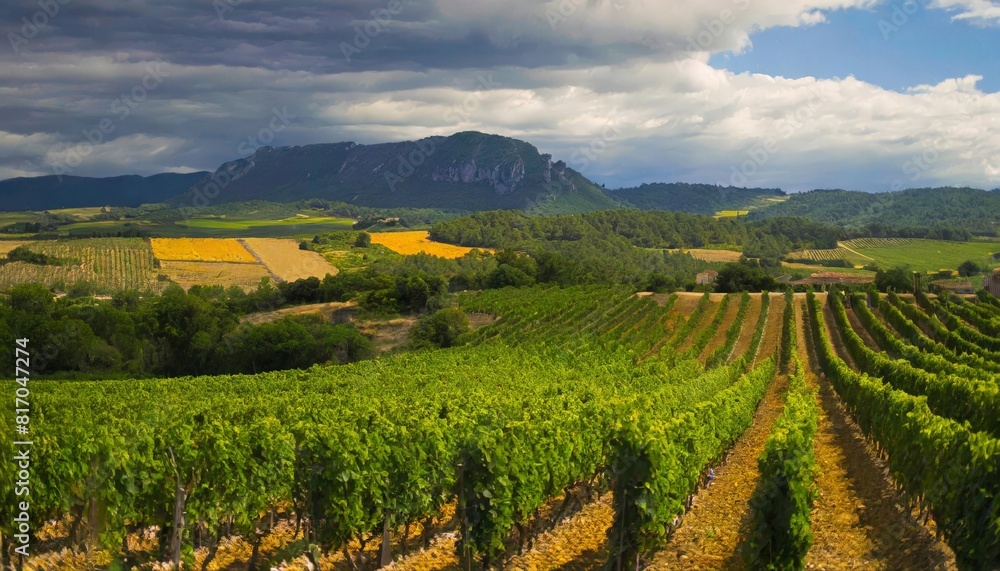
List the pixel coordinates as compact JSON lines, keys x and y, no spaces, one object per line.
{"x":187,"y":274}
{"x":8,"y":245}
{"x":712,"y":255}
{"x":286,"y":261}
{"x":201,"y":250}
{"x":334,"y":311}
{"x":409,"y":243}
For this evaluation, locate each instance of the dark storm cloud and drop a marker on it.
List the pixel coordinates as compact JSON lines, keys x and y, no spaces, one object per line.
{"x":143,"y":86}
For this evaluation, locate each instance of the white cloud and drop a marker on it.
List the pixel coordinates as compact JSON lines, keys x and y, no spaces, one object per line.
{"x":673,"y":116}
{"x":681,"y":25}
{"x":985,"y":12}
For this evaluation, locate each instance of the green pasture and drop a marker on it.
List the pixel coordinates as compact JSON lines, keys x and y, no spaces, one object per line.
{"x":932,"y":255}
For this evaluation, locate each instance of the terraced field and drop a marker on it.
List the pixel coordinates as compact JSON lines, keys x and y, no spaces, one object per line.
{"x":583,"y":428}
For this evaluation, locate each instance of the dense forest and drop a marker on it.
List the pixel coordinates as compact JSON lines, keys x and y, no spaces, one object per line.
{"x":768,"y":239}
{"x":938,"y":213}
{"x":692,"y":198}
{"x":177,"y":333}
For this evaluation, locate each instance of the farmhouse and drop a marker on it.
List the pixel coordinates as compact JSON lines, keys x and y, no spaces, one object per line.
{"x":706,"y":278}
{"x":991,"y":283}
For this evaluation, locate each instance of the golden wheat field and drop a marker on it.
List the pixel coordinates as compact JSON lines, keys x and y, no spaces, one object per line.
{"x":201,"y":250}
{"x":187,"y":274}
{"x":409,"y":243}
{"x":8,"y":245}
{"x":286,"y":261}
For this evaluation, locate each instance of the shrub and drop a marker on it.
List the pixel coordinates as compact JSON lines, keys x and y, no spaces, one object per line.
{"x":440,"y":329}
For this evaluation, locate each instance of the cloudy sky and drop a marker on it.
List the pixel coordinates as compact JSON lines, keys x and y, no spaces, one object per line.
{"x":797,"y":94}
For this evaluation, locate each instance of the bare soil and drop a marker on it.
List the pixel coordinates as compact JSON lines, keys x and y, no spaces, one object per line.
{"x":719,"y":339}
{"x":711,"y":532}
{"x":772,"y":330}
{"x":857,"y":520}
{"x":749,"y":324}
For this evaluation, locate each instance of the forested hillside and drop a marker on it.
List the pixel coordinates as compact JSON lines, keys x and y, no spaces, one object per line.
{"x":53,"y":192}
{"x":942,"y":213}
{"x":693,"y":198}
{"x":767,"y":238}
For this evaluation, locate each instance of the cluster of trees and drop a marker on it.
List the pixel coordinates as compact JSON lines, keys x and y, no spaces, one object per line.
{"x":177,"y":333}
{"x":44,"y":222}
{"x":415,"y":283}
{"x":768,"y":240}
{"x":23,"y":254}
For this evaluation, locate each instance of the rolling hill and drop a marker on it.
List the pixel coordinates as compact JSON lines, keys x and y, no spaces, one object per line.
{"x":53,"y":192}
{"x":694,"y":198}
{"x":977,"y":211}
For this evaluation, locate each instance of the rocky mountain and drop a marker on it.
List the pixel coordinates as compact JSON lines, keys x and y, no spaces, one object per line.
{"x":469,"y":171}
{"x":53,"y":192}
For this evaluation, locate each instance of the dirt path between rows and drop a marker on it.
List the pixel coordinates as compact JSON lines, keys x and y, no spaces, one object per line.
{"x":706,"y":319}
{"x":834,"y":334}
{"x":719,"y":339}
{"x":675,"y":318}
{"x":710,"y":535}
{"x":859,"y":328}
{"x":772,"y":330}
{"x":749,"y":324}
{"x":857,"y":522}
{"x":577,"y":544}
